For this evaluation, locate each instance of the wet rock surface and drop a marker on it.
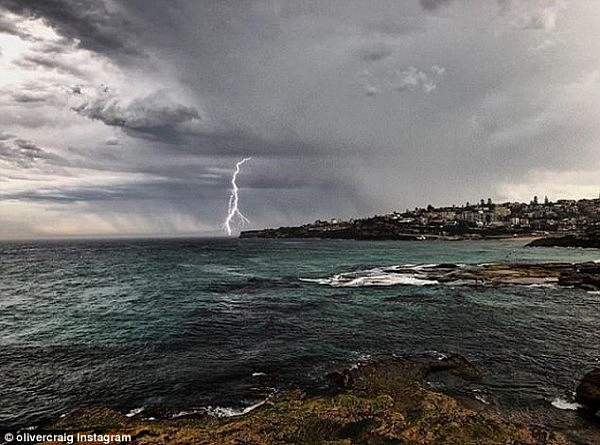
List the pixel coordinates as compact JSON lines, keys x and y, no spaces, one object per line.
{"x":379,"y":401}
{"x":582,"y":275}
{"x":567,"y":241}
{"x":588,"y":239}
{"x":381,"y":370}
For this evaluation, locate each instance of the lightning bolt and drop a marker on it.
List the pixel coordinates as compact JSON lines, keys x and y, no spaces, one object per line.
{"x":234,"y":199}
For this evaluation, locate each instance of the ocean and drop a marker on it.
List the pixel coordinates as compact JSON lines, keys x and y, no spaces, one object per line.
{"x":219,"y":323}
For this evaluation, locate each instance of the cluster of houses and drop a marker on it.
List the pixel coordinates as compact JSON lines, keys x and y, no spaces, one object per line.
{"x":560,"y":216}
{"x":486,"y":216}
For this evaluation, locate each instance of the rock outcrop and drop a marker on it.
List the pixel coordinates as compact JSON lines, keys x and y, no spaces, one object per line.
{"x":380,"y":401}
{"x":588,"y":239}
{"x":588,"y":391}
{"x":566,"y":241}
{"x":581,"y":275}
{"x":417,"y":367}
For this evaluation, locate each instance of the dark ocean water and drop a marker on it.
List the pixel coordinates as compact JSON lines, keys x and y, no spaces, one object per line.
{"x":186,"y":323}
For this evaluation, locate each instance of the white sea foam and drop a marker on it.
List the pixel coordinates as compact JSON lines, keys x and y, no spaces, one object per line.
{"x":561,"y":403}
{"x":376,"y":277}
{"x":221,"y":411}
{"x":481,"y":399}
{"x":479,"y":396}
{"x":549,"y":284}
{"x":135,"y":411}
{"x":424,"y":266}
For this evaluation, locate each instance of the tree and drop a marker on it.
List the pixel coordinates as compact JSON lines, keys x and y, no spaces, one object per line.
{"x":546,"y":201}
{"x":535,"y":200}
{"x":489,"y":201}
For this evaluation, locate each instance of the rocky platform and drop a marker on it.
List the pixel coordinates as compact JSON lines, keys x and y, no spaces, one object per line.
{"x":567,"y":241}
{"x":590,"y":238}
{"x":381,"y":401}
{"x":580,"y":275}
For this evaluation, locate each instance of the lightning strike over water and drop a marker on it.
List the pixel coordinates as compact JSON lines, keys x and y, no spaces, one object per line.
{"x":233,"y":210}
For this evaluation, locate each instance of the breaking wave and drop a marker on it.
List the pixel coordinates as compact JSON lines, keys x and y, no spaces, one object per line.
{"x":379,"y":277}
{"x":221,"y":411}
{"x":561,"y":403}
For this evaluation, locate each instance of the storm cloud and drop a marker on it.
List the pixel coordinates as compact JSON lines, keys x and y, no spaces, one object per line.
{"x":25,"y":154}
{"x":155,"y":115}
{"x":127,"y":116}
{"x":97,"y":25}
{"x":433,"y":4}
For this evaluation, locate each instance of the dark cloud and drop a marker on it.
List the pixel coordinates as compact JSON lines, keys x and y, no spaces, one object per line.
{"x":430,"y":5}
{"x":33,"y":93}
{"x":28,"y":98}
{"x":147,"y":190}
{"x":65,"y":195}
{"x":33,"y":61}
{"x":8,"y":26}
{"x":89,"y":21}
{"x":396,"y":26}
{"x":25,"y":154}
{"x":375,"y":53}
{"x":155,"y":116}
{"x":347,"y":107}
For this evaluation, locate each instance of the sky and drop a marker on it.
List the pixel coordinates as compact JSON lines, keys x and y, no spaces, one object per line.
{"x":127,"y":117}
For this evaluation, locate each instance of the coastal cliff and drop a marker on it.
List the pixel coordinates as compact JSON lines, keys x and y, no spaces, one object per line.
{"x":564,"y":218}
{"x":382,"y":228}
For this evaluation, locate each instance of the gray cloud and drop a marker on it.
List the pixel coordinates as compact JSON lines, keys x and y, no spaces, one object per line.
{"x":410,"y":78}
{"x":431,"y":5}
{"x":34,"y":93}
{"x":329,"y":98}
{"x":91,"y":22}
{"x":25,"y":154}
{"x":8,"y":26}
{"x":50,"y":62}
{"x":155,"y":116}
{"x":375,"y":52}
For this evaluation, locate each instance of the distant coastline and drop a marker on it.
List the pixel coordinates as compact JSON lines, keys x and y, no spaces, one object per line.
{"x":563,"y":221}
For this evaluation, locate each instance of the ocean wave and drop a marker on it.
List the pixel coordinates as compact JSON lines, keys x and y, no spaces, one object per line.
{"x":373,"y":277}
{"x":134,"y":412}
{"x":380,"y":277}
{"x":483,"y":274}
{"x":221,"y":411}
{"x":562,"y":403}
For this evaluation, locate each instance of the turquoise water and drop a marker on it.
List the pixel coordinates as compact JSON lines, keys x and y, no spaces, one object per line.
{"x":185,"y":323}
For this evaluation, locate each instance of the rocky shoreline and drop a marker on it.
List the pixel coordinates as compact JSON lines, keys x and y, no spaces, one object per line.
{"x":382,"y":229}
{"x":582,"y":241}
{"x":588,"y":239}
{"x":580,"y":275}
{"x":384,"y":400}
